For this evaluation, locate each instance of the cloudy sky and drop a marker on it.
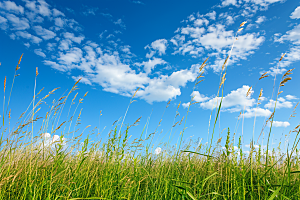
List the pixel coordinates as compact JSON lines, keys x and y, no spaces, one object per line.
{"x":118,"y":46}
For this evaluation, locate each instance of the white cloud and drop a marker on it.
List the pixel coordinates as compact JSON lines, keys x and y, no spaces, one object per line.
{"x":26,"y":35}
{"x":50,"y":46}
{"x":260,"y":19}
{"x":200,"y":22}
{"x":65,"y":44}
{"x":11,"y":6}
{"x":291,"y":35}
{"x":235,"y":101}
{"x":229,"y":20}
{"x":38,"y":6}
{"x":212,"y":15}
{"x":3,"y":23}
{"x":215,"y":40}
{"x":59,"y":22}
{"x":72,"y":56}
{"x":57,"y":13}
{"x":290,"y":97}
{"x":120,"y":22}
{"x":47,"y":141}
{"x":71,"y":36}
{"x":157,"y":150}
{"x":17,"y":23}
{"x":33,"y":17}
{"x":56,"y":66}
{"x":137,"y":2}
{"x":90,"y":11}
{"x":296,"y":13}
{"x":229,"y":2}
{"x":279,"y":124}
{"x":39,"y":52}
{"x":44,"y":33}
{"x":258,"y":112}
{"x":149,"y":65}
{"x":158,"y":45}
{"x":281,"y":103}
{"x":83,"y":80}
{"x":255,"y":146}
{"x":199,"y":97}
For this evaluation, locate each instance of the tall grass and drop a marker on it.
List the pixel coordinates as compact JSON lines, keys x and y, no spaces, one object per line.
{"x":45,"y":168}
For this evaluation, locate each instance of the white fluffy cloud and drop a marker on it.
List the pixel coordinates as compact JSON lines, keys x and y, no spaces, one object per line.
{"x":149,"y":65}
{"x":83,"y":80}
{"x":290,"y":97}
{"x":281,"y":103}
{"x":235,"y":101}
{"x":291,"y":35}
{"x":55,"y":66}
{"x":260,"y":19}
{"x":72,"y":37}
{"x":216,"y":40}
{"x":279,"y":124}
{"x":17,"y":23}
{"x":212,"y":15}
{"x":38,"y":7}
{"x":200,"y":22}
{"x":44,"y":33}
{"x":12,"y":7}
{"x":39,"y":52}
{"x":158,"y":45}
{"x":26,"y":35}
{"x":258,"y":112}
{"x":71,"y":56}
{"x":296,"y":13}
{"x":229,"y":2}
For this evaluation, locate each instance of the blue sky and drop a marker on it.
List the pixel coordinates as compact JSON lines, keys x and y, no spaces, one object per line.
{"x":116,"y":47}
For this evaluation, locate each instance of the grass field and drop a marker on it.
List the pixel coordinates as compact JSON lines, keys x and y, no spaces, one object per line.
{"x":34,"y":168}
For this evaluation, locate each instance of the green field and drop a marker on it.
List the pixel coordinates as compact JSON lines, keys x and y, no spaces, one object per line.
{"x":117,"y":169}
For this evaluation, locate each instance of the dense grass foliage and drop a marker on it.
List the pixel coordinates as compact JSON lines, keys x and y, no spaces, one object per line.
{"x":40,"y":168}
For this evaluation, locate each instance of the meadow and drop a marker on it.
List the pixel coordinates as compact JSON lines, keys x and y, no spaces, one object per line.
{"x":42,"y":169}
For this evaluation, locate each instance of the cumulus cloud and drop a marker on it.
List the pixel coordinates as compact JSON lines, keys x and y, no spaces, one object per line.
{"x":235,"y":101}
{"x":83,"y":79}
{"x":38,"y":7}
{"x":158,"y":45}
{"x":17,"y":23}
{"x":216,"y":40}
{"x":72,"y":37}
{"x":57,"y":13}
{"x":3,"y":23}
{"x":263,"y":3}
{"x":260,"y":19}
{"x":11,"y":7}
{"x":296,"y":13}
{"x":229,"y":2}
{"x":55,"y":66}
{"x":281,"y":103}
{"x":44,"y":33}
{"x":71,"y":56}
{"x":26,"y":35}
{"x":279,"y":124}
{"x":290,"y":97}
{"x":291,"y":35}
{"x":212,"y":15}
{"x":120,"y":23}
{"x":39,"y":52}
{"x":59,"y":22}
{"x":197,"y":98}
{"x":200,"y":22}
{"x":149,"y":65}
{"x":90,"y":11}
{"x":258,"y":112}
